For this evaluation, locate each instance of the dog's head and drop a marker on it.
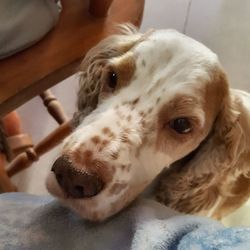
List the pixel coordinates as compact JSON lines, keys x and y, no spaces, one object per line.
{"x":150,"y":99}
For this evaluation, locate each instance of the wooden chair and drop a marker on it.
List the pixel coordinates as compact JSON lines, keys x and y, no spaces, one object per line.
{"x":33,"y":71}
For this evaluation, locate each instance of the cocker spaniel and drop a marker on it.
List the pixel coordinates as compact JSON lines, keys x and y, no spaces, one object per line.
{"x":149,"y":102}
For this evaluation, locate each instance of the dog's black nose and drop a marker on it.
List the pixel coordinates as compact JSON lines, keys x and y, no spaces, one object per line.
{"x":75,"y":183}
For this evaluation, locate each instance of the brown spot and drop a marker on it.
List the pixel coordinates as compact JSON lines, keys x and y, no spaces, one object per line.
{"x":129,"y":118}
{"x":127,"y":130}
{"x":150,"y":110}
{"x":143,"y":123}
{"x":105,"y":143}
{"x":114,"y":155}
{"x":77,"y":156}
{"x":141,"y":113}
{"x":87,"y":155}
{"x":117,"y":188}
{"x":96,"y":139}
{"x":136,"y":100}
{"x":158,"y":100}
{"x":82,"y":157}
{"x":125,"y":167}
{"x":143,"y":63}
{"x":106,"y":130}
{"x":100,"y":149}
{"x":125,"y":138}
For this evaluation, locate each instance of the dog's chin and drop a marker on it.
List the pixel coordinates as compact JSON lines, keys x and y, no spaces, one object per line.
{"x":97,"y":208}
{"x":83,"y":207}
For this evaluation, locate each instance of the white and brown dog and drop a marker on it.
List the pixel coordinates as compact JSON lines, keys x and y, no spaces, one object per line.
{"x":151,"y":100}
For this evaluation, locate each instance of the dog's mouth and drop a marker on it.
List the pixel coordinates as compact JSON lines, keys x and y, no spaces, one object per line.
{"x":97,"y":189}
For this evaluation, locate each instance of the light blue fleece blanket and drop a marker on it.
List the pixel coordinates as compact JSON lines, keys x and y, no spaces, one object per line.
{"x":33,"y":222}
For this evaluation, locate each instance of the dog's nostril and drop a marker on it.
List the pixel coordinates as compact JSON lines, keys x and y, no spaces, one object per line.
{"x":89,"y":186}
{"x":77,"y":191}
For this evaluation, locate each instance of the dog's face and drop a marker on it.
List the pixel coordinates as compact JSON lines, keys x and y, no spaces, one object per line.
{"x":158,"y":95}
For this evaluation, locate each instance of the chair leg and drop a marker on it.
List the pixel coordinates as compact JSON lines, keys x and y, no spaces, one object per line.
{"x":5,"y":183}
{"x":54,"y":106}
{"x":24,"y":160}
{"x":99,"y":8}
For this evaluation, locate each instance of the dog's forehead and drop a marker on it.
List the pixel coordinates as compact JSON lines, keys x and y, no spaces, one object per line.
{"x":161,"y":45}
{"x":169,"y":59}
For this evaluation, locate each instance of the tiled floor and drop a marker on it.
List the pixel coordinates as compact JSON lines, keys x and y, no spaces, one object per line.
{"x":223,"y":25}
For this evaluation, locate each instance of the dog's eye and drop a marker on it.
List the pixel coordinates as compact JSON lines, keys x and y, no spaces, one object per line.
{"x":112,"y":80}
{"x":181,"y":125}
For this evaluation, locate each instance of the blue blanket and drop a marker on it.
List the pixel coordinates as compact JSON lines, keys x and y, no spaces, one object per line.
{"x":35,"y":222}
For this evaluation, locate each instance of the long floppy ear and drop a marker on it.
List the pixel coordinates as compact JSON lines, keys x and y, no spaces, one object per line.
{"x":94,"y":62}
{"x":194,"y":183}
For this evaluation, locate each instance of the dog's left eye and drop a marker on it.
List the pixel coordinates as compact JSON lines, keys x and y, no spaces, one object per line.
{"x":112,"y":80}
{"x":181,"y":125}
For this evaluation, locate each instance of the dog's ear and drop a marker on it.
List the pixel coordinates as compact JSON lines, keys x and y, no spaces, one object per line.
{"x":92,"y":67}
{"x":194,"y":183}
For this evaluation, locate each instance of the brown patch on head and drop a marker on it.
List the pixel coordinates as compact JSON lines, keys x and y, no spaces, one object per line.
{"x":124,"y":67}
{"x":129,"y":118}
{"x":96,"y":139}
{"x":117,"y":188}
{"x":215,"y":94}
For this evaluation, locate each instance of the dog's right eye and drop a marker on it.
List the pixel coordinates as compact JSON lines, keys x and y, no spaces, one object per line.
{"x":181,"y":125}
{"x":112,"y":80}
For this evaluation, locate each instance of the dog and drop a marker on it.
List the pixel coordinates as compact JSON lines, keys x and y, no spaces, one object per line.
{"x":149,"y":102}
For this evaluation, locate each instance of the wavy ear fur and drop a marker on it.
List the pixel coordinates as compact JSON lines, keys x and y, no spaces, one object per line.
{"x":194,"y":183}
{"x":94,"y":62}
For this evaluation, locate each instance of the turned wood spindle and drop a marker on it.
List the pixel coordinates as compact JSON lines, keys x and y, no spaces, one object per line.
{"x":54,"y":106}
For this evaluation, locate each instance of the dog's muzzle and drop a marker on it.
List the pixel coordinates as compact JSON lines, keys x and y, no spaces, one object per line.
{"x":75,"y":183}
